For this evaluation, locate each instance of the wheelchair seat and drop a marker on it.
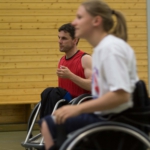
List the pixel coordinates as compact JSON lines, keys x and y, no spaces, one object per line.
{"x":139,"y":115}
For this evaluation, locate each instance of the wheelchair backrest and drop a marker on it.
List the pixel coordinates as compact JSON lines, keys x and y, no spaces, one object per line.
{"x":140,"y":95}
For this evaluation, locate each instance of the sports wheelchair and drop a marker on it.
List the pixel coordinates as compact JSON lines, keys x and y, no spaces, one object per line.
{"x":128,"y":130}
{"x":36,"y":141}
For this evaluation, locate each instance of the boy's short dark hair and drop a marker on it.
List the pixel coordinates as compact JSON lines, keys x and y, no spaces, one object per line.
{"x":68,"y":28}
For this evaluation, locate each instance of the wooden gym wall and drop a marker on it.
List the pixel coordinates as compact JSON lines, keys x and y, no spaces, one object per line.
{"x":29,"y":49}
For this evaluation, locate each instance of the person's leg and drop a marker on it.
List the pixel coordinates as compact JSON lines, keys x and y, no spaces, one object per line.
{"x":47,"y":136}
{"x":80,"y":121}
{"x":49,"y":129}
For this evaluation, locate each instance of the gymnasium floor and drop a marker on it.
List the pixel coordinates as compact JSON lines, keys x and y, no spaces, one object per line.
{"x":12,"y":140}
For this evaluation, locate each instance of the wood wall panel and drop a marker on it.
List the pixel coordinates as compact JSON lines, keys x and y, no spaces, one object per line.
{"x":19,"y":99}
{"x":12,"y":113}
{"x":71,"y":5}
{"x":8,"y":39}
{"x":25,"y":78}
{"x":48,"y":51}
{"x":48,"y":19}
{"x":24,"y":25}
{"x":66,"y":1}
{"x":27,"y":84}
{"x":29,"y":47}
{"x":52,"y":45}
{"x":69,"y":12}
{"x":29,"y":65}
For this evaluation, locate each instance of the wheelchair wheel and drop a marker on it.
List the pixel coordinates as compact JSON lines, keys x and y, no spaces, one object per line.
{"x":81,"y":98}
{"x":32,"y":141}
{"x":35,"y":141}
{"x":32,"y":115}
{"x":107,"y":136}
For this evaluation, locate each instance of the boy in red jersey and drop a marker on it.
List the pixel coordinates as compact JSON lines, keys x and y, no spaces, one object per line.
{"x":74,"y":68}
{"x":74,"y":72}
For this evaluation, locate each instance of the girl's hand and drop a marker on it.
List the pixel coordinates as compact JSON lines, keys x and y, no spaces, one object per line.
{"x":66,"y":112}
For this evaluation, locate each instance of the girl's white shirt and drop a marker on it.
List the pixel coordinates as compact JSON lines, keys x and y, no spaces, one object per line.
{"x":114,"y":68}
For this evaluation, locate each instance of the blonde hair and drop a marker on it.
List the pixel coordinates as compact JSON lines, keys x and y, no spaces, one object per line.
{"x":100,"y":8}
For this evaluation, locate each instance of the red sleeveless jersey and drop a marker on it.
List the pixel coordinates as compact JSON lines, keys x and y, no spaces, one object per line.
{"x":74,"y":64}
